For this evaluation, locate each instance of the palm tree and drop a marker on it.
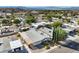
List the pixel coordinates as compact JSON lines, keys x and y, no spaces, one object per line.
{"x":56,"y":24}
{"x":58,"y":35}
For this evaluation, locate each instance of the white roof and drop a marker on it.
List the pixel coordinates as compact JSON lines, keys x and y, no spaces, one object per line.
{"x":37,"y":24}
{"x":71,"y":38}
{"x":77,"y":26}
{"x":36,"y":36}
{"x":15,"y":44}
{"x":70,"y":25}
{"x":67,"y":30}
{"x":41,"y":23}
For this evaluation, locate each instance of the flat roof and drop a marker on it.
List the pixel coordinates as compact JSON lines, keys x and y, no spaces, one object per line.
{"x":15,"y":44}
{"x":69,"y":27}
{"x":47,"y":31}
{"x":36,"y":36}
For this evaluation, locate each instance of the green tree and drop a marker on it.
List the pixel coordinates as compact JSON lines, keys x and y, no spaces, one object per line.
{"x":78,"y":22}
{"x":48,"y":16}
{"x":7,"y":16}
{"x":68,"y":20}
{"x":58,"y":35}
{"x":6,"y":22}
{"x":16,"y":21}
{"x":56,"y":24}
{"x":30,"y":19}
{"x":12,"y":15}
{"x":1,"y":17}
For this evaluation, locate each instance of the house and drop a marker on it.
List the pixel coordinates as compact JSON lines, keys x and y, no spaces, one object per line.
{"x":6,"y":29}
{"x":41,"y":24}
{"x":47,"y":31}
{"x":16,"y":44}
{"x":36,"y":25}
{"x":34,"y":37}
{"x":70,"y":29}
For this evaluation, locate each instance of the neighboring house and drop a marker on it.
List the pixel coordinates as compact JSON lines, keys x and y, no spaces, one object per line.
{"x":47,"y":31}
{"x":70,"y":29}
{"x":5,"y":29}
{"x":36,"y":25}
{"x":16,"y":44}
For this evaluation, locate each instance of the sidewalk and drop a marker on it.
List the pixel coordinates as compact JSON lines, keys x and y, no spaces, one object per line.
{"x":46,"y":51}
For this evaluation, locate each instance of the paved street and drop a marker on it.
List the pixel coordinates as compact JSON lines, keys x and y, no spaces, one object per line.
{"x":63,"y":50}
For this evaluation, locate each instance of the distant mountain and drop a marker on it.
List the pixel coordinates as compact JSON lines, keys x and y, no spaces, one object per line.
{"x":49,"y":8}
{"x":41,"y":7}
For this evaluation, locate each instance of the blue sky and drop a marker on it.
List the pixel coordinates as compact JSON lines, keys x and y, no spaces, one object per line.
{"x":39,"y":3}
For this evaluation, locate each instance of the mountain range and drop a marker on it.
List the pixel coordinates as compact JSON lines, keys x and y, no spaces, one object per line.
{"x":42,"y":7}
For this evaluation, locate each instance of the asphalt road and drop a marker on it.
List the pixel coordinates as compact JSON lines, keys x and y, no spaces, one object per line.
{"x":63,"y":50}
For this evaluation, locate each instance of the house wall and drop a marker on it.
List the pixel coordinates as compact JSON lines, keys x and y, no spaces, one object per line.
{"x":36,"y":43}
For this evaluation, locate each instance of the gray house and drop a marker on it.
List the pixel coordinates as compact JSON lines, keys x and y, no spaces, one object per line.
{"x":34,"y":37}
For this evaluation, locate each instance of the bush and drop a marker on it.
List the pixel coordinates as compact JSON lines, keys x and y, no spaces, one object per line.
{"x":6,"y":22}
{"x":47,"y":47}
{"x":18,"y":35}
{"x":16,"y":21}
{"x":78,"y":22}
{"x":1,"y":17}
{"x":7,"y":16}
